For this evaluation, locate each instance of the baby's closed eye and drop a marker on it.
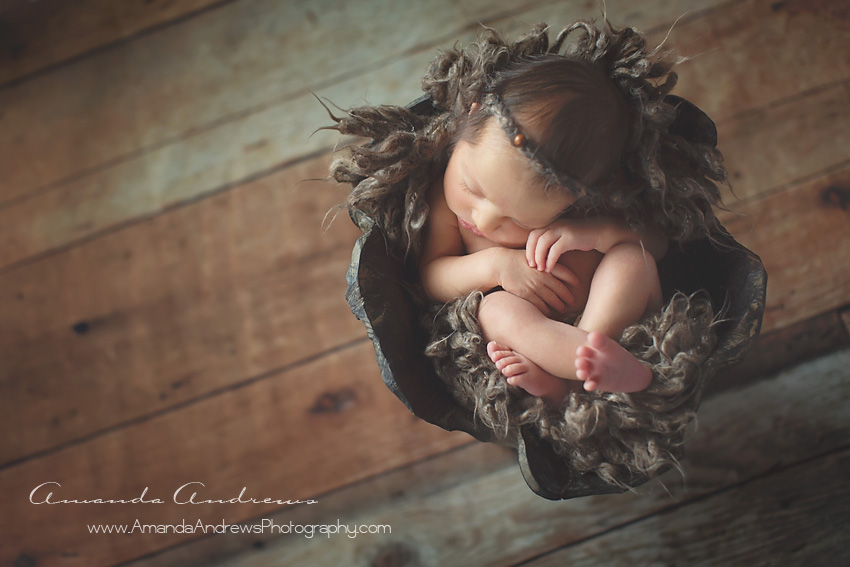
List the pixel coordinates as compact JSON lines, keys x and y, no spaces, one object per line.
{"x":466,"y":188}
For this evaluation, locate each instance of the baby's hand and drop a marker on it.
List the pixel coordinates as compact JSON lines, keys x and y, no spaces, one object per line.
{"x":546,"y":291}
{"x":546,"y":245}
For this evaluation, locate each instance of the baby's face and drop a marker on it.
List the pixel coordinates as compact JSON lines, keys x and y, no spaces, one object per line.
{"x":495,"y":193}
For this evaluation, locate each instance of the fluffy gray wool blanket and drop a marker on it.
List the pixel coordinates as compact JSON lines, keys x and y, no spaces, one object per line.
{"x":615,"y":436}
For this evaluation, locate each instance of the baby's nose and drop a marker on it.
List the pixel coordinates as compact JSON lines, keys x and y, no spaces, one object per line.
{"x":488,"y":219}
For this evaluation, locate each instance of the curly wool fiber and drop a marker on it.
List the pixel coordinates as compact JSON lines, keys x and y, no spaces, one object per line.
{"x":613,"y":435}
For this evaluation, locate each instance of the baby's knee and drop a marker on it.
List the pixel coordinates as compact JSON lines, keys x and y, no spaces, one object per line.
{"x":494,"y":309}
{"x":498,"y":313}
{"x":632,"y":257}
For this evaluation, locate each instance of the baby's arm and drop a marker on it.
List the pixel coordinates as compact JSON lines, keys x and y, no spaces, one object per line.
{"x":447,"y":272}
{"x":546,"y":245}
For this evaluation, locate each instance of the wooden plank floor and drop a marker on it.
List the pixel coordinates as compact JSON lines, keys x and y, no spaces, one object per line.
{"x":172,"y":294}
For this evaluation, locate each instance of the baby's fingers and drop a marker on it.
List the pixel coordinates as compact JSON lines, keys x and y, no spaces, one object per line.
{"x":562,"y":291}
{"x":544,"y":245}
{"x":531,"y":246}
{"x":565,"y":275}
{"x":555,"y":253}
{"x":553,"y":300}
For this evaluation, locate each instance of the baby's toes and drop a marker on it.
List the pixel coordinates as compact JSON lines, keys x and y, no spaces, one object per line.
{"x":584,"y":364}
{"x":584,"y":369}
{"x":492,"y":349}
{"x":506,"y":360}
{"x":511,"y":371}
{"x":585,"y":351}
{"x":497,"y":351}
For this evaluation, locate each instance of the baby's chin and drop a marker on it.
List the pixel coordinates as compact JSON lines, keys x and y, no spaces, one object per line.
{"x":515,"y":243}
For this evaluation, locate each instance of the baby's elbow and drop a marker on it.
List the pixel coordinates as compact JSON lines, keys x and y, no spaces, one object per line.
{"x":427,"y":279}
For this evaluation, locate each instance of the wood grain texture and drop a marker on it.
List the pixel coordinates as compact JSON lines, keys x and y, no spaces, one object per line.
{"x":213,"y":68}
{"x":770,"y":148}
{"x":230,"y":61}
{"x":413,"y":482}
{"x":38,"y":34}
{"x":760,"y":52}
{"x":159,"y":165}
{"x":172,"y":308}
{"x":200,"y":165}
{"x":494,"y":519}
{"x":796,"y":517}
{"x":784,"y":348}
{"x":291,"y":435}
{"x":803,"y":237}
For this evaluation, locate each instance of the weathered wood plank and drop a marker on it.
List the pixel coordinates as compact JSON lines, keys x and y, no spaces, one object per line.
{"x":494,"y":519}
{"x":294,"y":435}
{"x":418,"y":480}
{"x":221,"y":63}
{"x":649,"y":16}
{"x":169,"y":309}
{"x":278,"y":48}
{"x":758,"y":52}
{"x":203,"y":164}
{"x":796,"y":517}
{"x":161,"y":164}
{"x":784,"y":348}
{"x":775,"y":146}
{"x":35,"y":35}
{"x":803,"y":236}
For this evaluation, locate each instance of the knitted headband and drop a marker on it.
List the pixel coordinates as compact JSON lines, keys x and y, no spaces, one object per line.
{"x":494,"y":106}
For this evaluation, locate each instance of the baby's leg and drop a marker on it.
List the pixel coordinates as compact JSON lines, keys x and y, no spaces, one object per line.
{"x":521,"y":372}
{"x":537,"y":351}
{"x":624,"y":288}
{"x":534,"y":352}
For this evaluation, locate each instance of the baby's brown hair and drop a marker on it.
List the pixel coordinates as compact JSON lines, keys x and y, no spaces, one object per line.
{"x":576,"y":118}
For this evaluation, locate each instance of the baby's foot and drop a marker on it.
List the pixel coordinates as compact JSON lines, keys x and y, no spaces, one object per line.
{"x":605,"y":365}
{"x":521,"y":372}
